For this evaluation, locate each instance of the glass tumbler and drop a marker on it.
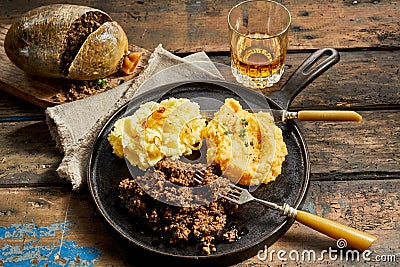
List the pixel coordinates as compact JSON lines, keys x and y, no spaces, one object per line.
{"x":258,"y":31}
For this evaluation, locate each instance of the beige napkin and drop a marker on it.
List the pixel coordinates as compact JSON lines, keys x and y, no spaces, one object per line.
{"x":75,"y":125}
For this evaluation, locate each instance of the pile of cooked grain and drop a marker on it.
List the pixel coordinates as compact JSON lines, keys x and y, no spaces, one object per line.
{"x":204,"y":224}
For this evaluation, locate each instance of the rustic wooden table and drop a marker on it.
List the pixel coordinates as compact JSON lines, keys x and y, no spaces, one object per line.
{"x":355,"y":166}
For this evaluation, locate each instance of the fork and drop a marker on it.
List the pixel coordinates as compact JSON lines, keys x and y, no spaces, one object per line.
{"x":354,"y":238}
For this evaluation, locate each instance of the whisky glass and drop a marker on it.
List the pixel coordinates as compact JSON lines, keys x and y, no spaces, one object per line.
{"x":258,"y":32}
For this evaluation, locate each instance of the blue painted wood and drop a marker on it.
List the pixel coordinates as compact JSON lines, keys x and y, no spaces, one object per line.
{"x":34,"y":253}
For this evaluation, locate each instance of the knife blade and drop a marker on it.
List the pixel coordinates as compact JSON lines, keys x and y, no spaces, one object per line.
{"x":303,"y":115}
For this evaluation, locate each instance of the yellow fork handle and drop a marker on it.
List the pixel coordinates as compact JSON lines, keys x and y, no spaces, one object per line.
{"x":355,"y":238}
{"x":328,"y":115}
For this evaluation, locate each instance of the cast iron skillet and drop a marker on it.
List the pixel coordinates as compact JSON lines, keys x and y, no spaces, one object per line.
{"x":263,"y":226}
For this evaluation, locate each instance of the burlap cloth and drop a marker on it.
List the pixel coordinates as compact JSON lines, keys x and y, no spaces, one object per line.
{"x":75,"y":125}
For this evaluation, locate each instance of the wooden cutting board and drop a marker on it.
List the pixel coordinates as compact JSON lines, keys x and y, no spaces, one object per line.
{"x":45,"y":92}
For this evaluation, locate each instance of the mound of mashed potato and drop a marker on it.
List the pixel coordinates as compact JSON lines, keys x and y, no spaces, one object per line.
{"x":249,"y":147}
{"x":171,"y":128}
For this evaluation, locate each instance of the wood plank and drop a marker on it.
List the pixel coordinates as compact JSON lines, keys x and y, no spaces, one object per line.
{"x":366,"y":205}
{"x":44,"y":92}
{"x":11,"y":106}
{"x":369,"y":149}
{"x":28,"y":155}
{"x":187,"y":26}
{"x":66,"y":226}
{"x":347,"y":85}
{"x":59,"y":226}
{"x":355,"y":173}
{"x":366,"y":150}
{"x":352,"y":87}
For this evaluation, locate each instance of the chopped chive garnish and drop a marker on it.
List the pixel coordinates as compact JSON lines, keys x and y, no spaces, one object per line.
{"x":228,"y":132}
{"x":242,"y":133}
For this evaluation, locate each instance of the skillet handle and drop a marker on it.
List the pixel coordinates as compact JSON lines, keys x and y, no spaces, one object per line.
{"x":312,"y":67}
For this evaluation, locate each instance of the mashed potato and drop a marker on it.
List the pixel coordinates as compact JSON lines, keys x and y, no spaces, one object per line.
{"x":170,"y":128}
{"x":115,"y":138}
{"x":249,"y":147}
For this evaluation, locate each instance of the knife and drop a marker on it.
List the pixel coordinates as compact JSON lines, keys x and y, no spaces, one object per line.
{"x":303,"y":115}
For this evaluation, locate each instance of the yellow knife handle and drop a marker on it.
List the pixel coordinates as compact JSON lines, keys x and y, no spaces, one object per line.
{"x":328,"y":115}
{"x":354,"y":238}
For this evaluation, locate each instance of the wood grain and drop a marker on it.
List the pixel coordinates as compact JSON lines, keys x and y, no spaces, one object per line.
{"x":14,"y":107}
{"x":366,"y":150}
{"x":345,"y":86}
{"x":367,"y":205}
{"x":355,"y":175}
{"x":187,"y":26}
{"x":369,"y":149}
{"x":44,"y":92}
{"x":361,"y":80}
{"x":28,"y":156}
{"x":370,"y":206}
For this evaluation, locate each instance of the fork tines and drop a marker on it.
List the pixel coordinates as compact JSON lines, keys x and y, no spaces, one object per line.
{"x":232,"y":195}
{"x":235,"y":194}
{"x":235,"y":191}
{"x":198,"y":176}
